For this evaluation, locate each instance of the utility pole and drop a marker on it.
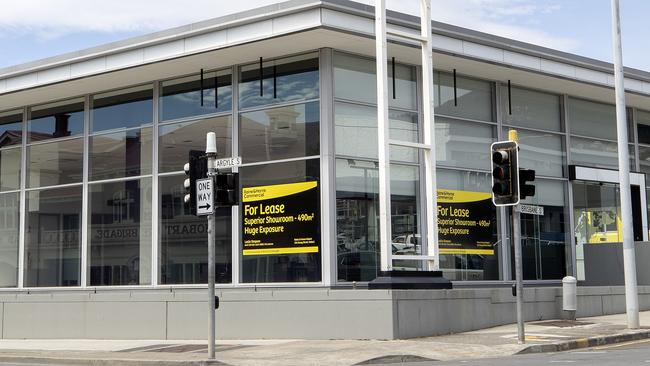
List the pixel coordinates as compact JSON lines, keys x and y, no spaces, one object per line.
{"x":629,"y":256}
{"x":211,"y":153}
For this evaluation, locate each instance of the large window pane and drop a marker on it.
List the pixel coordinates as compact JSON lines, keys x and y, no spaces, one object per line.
{"x":120,"y":233}
{"x":55,"y":163}
{"x":56,"y":120}
{"x":596,"y":153}
{"x":532,"y":109}
{"x":11,"y":128}
{"x":299,"y":267}
{"x":474,"y":97}
{"x":183,"y":238}
{"x":9,"y":226}
{"x":122,"y":109}
{"x":543,"y":152}
{"x":280,"y":133}
{"x":286,"y":79}
{"x":120,"y":154}
{"x":643,"y":127}
{"x":10,"y":169}
{"x":463,"y":144}
{"x":592,"y":119}
{"x":545,"y":248}
{"x":469,"y":257}
{"x":644,"y":163}
{"x":177,"y":139}
{"x":354,"y":79}
{"x":180,"y":98}
{"x":52,"y":239}
{"x":356,"y":132}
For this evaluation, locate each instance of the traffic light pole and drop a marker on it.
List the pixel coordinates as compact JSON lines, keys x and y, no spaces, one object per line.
{"x":211,"y":152}
{"x":519,"y":285}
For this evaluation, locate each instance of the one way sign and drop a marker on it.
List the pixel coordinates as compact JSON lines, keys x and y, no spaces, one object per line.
{"x":204,"y":197}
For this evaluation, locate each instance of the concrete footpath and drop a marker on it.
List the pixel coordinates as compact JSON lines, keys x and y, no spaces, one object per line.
{"x":542,"y":336}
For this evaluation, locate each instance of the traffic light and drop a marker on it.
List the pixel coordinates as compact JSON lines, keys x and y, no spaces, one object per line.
{"x":196,"y":168}
{"x":227,"y":189}
{"x":505,"y":173}
{"x":526,"y":190}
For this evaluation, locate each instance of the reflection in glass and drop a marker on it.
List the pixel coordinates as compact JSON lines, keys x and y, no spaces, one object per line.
{"x":541,"y":151}
{"x":597,"y":153}
{"x":303,"y":267}
{"x":474,"y":97}
{"x":280,"y":133}
{"x":592,"y":119}
{"x":643,"y":127}
{"x":56,"y":120}
{"x":183,"y":237}
{"x":354,"y":79}
{"x":532,"y":109}
{"x":9,"y":226}
{"x":52,"y":241}
{"x":122,"y":109}
{"x":55,"y":163}
{"x":181,"y":97}
{"x":286,"y":79}
{"x":120,"y":154}
{"x":177,"y":139}
{"x":470,"y":267}
{"x":119,"y":233}
{"x":463,"y":144}
{"x":356,"y":123}
{"x":11,"y":128}
{"x":405,"y":207}
{"x":10,"y":169}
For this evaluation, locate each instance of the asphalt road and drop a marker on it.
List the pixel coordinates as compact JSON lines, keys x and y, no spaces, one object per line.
{"x":631,"y":353}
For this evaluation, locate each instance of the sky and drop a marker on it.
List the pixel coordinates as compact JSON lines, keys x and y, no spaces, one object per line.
{"x":35,"y":29}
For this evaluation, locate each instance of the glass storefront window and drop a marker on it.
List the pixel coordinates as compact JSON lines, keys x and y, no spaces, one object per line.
{"x":122,"y":109}
{"x":55,"y":163}
{"x":11,"y":128}
{"x":355,"y":123}
{"x":177,"y":139}
{"x":545,"y":248}
{"x":270,"y":257}
{"x":597,"y":153}
{"x":592,"y":119}
{"x":643,"y":127}
{"x":119,"y":233}
{"x":180,"y":98}
{"x":10,"y":169}
{"x":55,"y":120}
{"x":644,"y":162}
{"x":183,"y":252}
{"x":120,"y":154}
{"x":469,"y":252}
{"x":9,"y":226}
{"x":53,"y":237}
{"x":463,"y":144}
{"x":474,"y":97}
{"x":284,"y":80}
{"x":532,"y":109}
{"x":280,"y":133}
{"x":541,"y":151}
{"x":354,"y":79}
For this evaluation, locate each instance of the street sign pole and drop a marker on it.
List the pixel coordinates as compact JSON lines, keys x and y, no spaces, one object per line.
{"x":211,"y":152}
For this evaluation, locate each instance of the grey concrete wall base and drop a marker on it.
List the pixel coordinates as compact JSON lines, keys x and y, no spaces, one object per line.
{"x":309,"y":313}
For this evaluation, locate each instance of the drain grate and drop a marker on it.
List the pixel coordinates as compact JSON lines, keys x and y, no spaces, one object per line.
{"x":394,"y":359}
{"x":561,"y":323}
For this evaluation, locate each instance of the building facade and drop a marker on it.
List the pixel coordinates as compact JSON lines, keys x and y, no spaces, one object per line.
{"x":93,"y":147}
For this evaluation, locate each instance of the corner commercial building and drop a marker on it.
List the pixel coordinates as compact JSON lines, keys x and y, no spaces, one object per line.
{"x":96,"y":242}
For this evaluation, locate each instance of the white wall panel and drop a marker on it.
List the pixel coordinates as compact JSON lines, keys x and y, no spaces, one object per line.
{"x":292,"y":22}
{"x":482,"y":51}
{"x":521,"y":60}
{"x":558,"y":68}
{"x":347,"y":21}
{"x":591,"y":75}
{"x":22,"y":81}
{"x":88,"y":67}
{"x":164,"y":50}
{"x":205,"y":41}
{"x":447,"y":43}
{"x":125,"y":59}
{"x":250,"y":31}
{"x":53,"y":75}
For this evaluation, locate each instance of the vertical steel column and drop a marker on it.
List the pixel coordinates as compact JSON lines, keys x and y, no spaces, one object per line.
{"x":22,"y":203}
{"x":429,"y":135}
{"x":155,"y":196}
{"x":383,"y":133}
{"x":235,"y":233}
{"x":629,"y":260}
{"x":85,"y":196}
{"x":516,"y":239}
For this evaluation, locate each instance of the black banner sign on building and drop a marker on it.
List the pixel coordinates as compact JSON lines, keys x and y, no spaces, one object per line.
{"x":281,"y":219}
{"x":465,"y":222}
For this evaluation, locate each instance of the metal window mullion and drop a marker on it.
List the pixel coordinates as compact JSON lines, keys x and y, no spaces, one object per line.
{"x":235,"y":233}
{"x":503,"y":218}
{"x":383,"y":133}
{"x":85,"y":198}
{"x":635,"y":132}
{"x":327,"y":169}
{"x":428,"y":129}
{"x":155,"y":196}
{"x":573,"y":270}
{"x":22,"y":211}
